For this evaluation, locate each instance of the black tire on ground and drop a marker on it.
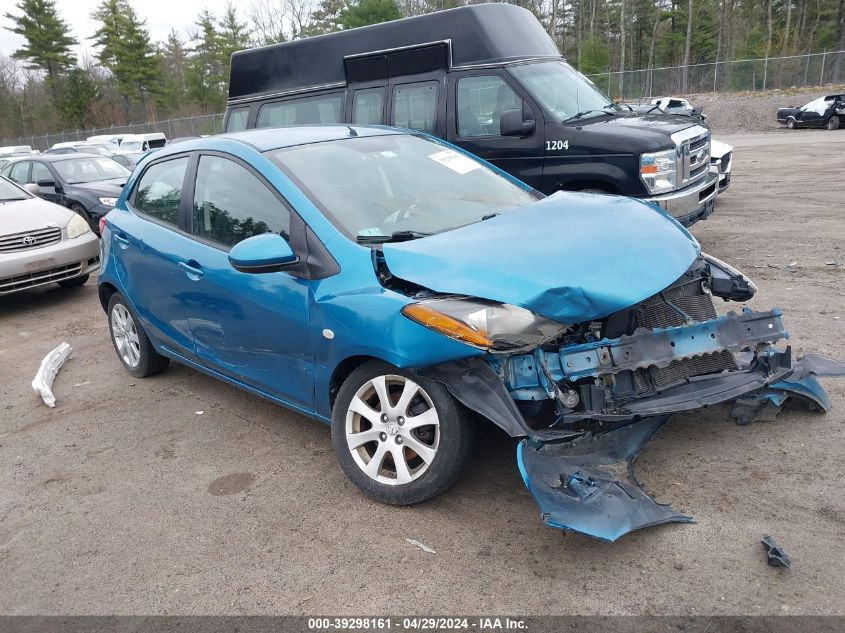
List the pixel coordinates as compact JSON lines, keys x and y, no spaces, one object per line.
{"x":833,"y":123}
{"x":80,"y":210}
{"x":456,"y":434}
{"x":791,"y":123}
{"x":76,"y":282}
{"x":149,"y":361}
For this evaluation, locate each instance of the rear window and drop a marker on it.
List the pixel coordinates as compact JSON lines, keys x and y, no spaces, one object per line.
{"x":309,"y":110}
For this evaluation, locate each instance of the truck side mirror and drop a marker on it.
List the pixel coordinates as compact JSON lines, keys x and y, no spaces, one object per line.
{"x":512,"y":123}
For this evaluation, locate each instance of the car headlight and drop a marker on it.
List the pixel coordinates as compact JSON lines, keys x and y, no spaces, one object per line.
{"x":485,"y":324}
{"x":108,"y":202}
{"x":659,"y":170}
{"x":77,"y":226}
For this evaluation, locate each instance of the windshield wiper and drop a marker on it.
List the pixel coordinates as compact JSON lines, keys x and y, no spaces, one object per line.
{"x":396,"y":236}
{"x":584,"y":113}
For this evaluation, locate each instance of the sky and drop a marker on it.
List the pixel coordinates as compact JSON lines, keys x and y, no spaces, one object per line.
{"x":161,"y":16}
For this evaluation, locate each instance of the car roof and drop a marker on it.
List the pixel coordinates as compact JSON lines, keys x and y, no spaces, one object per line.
{"x":266,"y":139}
{"x":54,"y":158}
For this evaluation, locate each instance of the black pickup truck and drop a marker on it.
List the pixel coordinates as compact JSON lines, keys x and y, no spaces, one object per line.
{"x":489,"y":79}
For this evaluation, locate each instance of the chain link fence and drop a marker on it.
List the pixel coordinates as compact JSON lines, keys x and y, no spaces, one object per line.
{"x":772,"y":73}
{"x":729,"y":76}
{"x":172,"y":128}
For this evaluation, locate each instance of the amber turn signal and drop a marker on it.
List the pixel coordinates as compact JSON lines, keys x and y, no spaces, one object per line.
{"x":446,"y":325}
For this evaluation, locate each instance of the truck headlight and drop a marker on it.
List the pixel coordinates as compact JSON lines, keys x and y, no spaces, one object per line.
{"x":77,"y":226}
{"x":485,"y":324}
{"x":659,"y":170}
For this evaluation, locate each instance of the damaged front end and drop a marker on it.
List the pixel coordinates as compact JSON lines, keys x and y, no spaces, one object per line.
{"x":589,"y":397}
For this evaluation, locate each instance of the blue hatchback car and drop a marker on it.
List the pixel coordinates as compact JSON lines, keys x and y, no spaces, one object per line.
{"x":397,"y":288}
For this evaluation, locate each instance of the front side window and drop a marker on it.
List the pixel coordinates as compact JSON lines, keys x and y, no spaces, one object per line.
{"x":237,"y":120}
{"x":368,"y":107}
{"x":322,"y":109}
{"x":231,"y":204}
{"x":415,"y":106}
{"x":159,"y":192}
{"x":374,"y":186}
{"x":481,"y":101}
{"x":562,"y":90}
{"x":78,"y":170}
{"x":40,"y":172}
{"x":9,"y":192}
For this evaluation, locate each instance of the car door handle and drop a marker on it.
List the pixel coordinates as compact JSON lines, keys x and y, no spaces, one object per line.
{"x":192,"y":270}
{"x":121,"y":241}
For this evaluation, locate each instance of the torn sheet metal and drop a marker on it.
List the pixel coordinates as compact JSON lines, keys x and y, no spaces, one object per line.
{"x":42,"y":384}
{"x":588,"y":485}
{"x":775,"y":555}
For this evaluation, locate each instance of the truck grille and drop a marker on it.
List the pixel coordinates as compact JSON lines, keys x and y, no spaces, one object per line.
{"x":696,"y":157}
{"x":30,"y":239}
{"x":657,"y":312}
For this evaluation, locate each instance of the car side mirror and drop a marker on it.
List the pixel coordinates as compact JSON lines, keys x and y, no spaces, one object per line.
{"x":32,"y":188}
{"x":46,"y":182}
{"x":512,"y":123}
{"x":266,"y":253}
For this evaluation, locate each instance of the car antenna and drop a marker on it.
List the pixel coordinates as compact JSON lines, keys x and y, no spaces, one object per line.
{"x":352,"y":131}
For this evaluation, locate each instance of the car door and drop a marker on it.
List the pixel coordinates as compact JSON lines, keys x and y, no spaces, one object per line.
{"x":251,"y":327}
{"x":54,"y":192}
{"x":148,"y":248}
{"x":479,"y":99}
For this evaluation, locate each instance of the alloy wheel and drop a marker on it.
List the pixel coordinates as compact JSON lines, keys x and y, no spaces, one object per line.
{"x":392,"y":429}
{"x":125,"y":335}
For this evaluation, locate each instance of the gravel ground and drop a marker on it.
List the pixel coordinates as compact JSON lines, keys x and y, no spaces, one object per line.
{"x":754,"y":111}
{"x":181,"y":495}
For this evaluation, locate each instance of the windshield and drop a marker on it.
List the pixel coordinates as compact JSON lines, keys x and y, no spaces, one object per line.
{"x":79,"y":170}
{"x":562,"y":90}
{"x":375,"y":187}
{"x":131,"y":146}
{"x":9,"y":192}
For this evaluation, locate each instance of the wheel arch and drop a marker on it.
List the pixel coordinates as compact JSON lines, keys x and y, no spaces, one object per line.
{"x":105,"y":291}
{"x":342,"y":371}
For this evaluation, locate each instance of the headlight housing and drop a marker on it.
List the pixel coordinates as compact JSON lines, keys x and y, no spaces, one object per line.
{"x":77,"y":226}
{"x":659,"y":170}
{"x":497,"y":327}
{"x":108,"y":202}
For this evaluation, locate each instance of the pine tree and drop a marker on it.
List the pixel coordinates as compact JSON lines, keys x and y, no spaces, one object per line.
{"x":126,"y":50}
{"x":173,"y":62}
{"x":79,"y":93}
{"x":366,"y":12}
{"x":47,"y":38}
{"x":233,"y":36}
{"x":327,"y":18}
{"x":205,"y":77}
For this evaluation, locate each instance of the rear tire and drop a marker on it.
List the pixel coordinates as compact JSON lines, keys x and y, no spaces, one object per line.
{"x":399,"y":437}
{"x":833,"y":123}
{"x":131,"y":343}
{"x":76,"y":282}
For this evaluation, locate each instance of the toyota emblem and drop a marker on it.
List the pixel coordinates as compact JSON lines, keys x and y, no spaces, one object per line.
{"x":28,"y":240}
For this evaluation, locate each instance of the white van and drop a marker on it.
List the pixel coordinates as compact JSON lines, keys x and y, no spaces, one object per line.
{"x":142,"y":142}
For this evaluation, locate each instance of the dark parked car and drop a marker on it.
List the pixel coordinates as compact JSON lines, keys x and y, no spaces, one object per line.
{"x":101,"y":149}
{"x":826,"y":112}
{"x":85,"y":183}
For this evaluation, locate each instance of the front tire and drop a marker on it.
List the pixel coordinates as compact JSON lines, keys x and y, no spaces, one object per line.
{"x":399,"y":437}
{"x":131,"y":343}
{"x":833,"y":123}
{"x":791,"y":124}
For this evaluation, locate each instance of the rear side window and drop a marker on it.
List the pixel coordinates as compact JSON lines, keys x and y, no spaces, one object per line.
{"x":481,"y":101}
{"x":237,"y":120}
{"x":368,"y":107}
{"x":231,"y":204}
{"x":19,"y":172}
{"x":159,"y":192}
{"x":415,"y":106}
{"x":322,"y":109}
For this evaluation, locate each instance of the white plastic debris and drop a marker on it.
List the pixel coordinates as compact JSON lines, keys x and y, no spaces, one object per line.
{"x":424,"y":548}
{"x":42,"y":384}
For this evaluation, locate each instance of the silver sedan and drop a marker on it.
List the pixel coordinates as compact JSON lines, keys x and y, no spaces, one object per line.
{"x":42,"y":242}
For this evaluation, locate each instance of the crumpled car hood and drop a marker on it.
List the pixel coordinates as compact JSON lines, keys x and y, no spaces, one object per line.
{"x":571,"y":257}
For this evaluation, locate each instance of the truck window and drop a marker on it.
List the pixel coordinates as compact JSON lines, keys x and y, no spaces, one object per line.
{"x":368,"y":106}
{"x":321,"y":109}
{"x":237,"y":120}
{"x":481,"y":101}
{"x":415,"y":106}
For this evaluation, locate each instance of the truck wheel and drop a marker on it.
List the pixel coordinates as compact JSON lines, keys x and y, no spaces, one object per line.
{"x":399,"y":437}
{"x":791,"y":124}
{"x":833,"y":123}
